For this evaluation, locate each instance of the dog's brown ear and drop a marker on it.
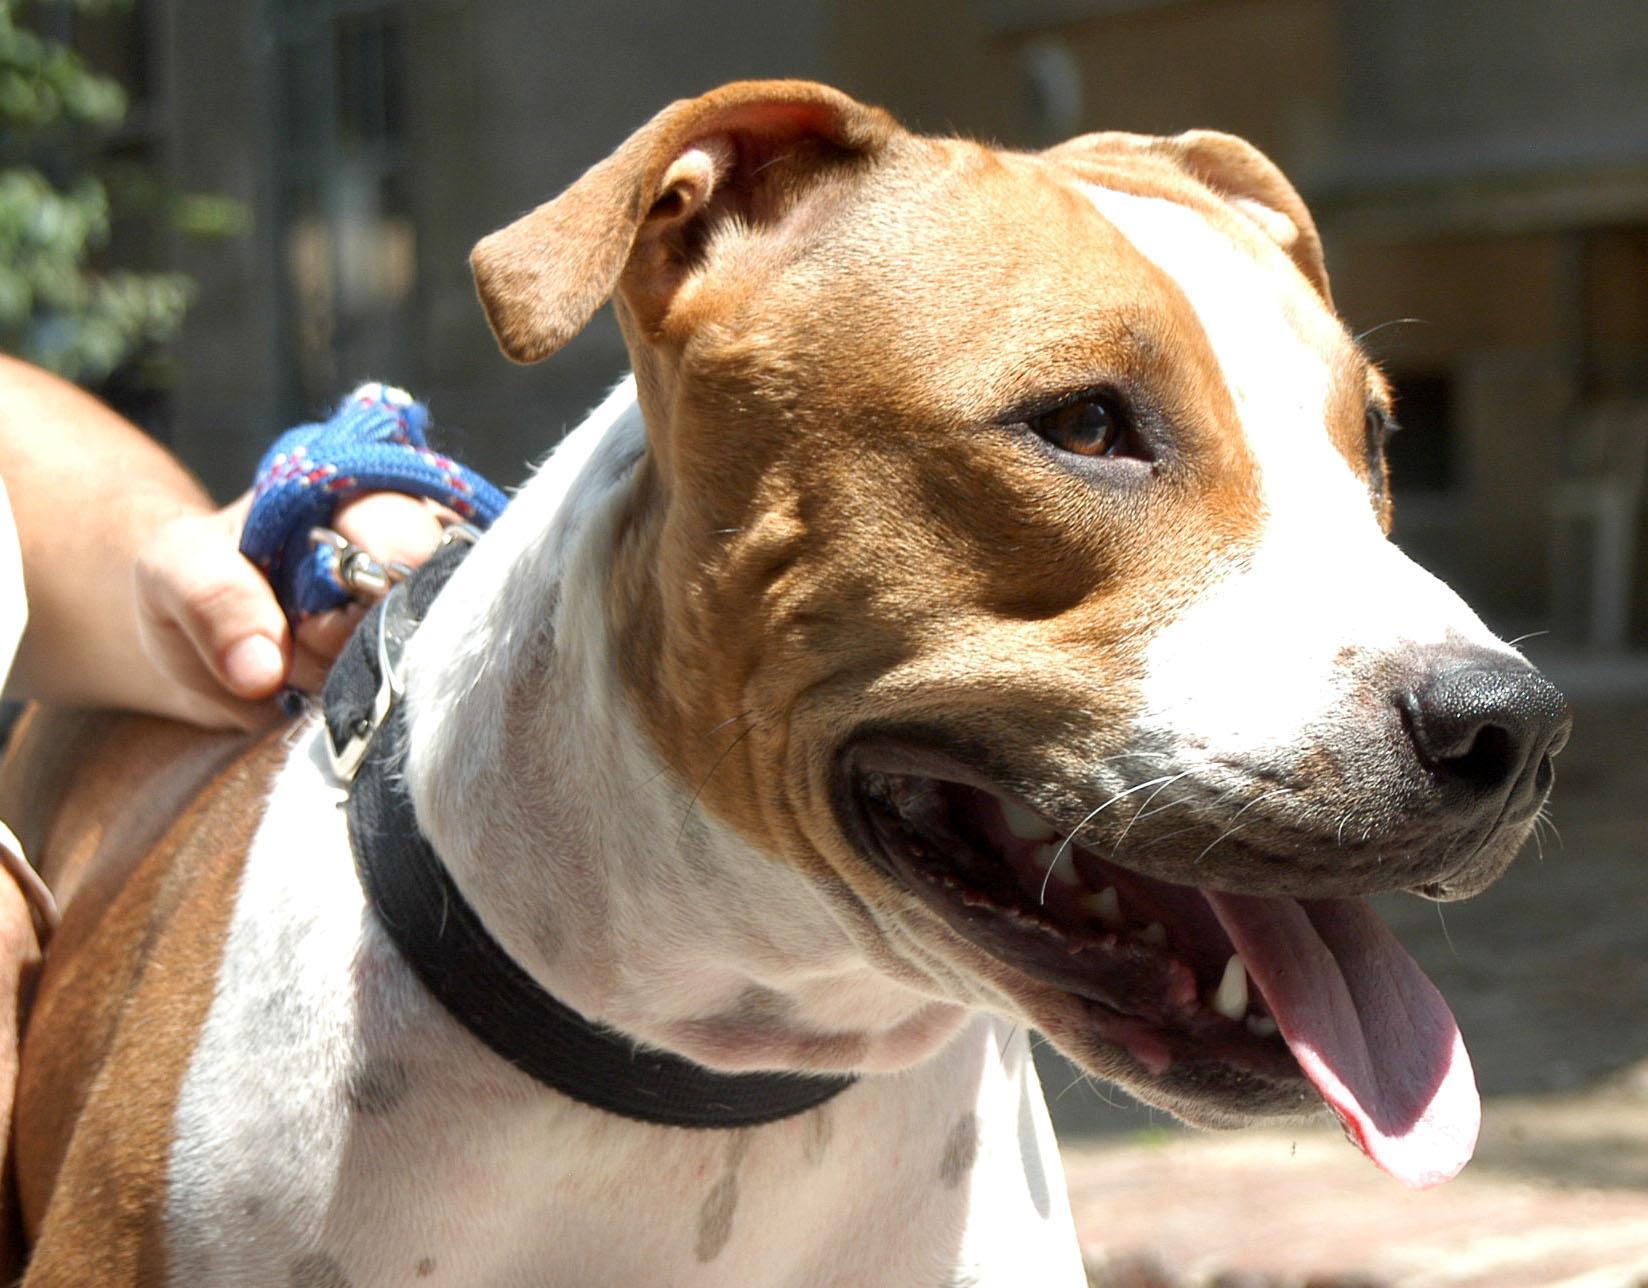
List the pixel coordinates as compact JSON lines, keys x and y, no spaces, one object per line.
{"x":1235,"y":170}
{"x":1255,"y":185}
{"x":638,"y":216}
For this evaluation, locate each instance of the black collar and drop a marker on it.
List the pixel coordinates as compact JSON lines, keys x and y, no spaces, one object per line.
{"x":450,"y":950}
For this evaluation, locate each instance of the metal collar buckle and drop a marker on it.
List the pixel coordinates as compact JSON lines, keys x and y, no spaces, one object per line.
{"x":396,"y":623}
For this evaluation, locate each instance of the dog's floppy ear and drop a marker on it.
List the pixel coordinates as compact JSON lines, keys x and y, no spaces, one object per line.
{"x":1233,"y":169}
{"x":633,"y":215}
{"x":1255,"y":185}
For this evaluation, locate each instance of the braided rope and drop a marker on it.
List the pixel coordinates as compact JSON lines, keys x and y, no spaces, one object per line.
{"x":374,"y":442}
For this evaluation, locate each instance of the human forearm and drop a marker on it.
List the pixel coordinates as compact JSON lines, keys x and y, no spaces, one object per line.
{"x":88,"y":491}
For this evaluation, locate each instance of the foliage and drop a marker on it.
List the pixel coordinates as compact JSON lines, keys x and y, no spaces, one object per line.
{"x":58,"y":307}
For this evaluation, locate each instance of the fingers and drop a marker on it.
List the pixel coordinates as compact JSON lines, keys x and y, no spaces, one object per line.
{"x":392,"y":528}
{"x":212,"y":627}
{"x":395,"y":528}
{"x":195,"y":589}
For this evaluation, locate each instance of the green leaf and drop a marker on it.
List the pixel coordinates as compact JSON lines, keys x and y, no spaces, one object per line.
{"x":58,"y":306}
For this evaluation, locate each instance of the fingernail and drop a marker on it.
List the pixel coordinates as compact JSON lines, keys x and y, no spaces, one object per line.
{"x":254,"y":666}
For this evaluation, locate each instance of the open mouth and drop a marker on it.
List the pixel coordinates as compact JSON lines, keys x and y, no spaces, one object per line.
{"x":1270,"y":993}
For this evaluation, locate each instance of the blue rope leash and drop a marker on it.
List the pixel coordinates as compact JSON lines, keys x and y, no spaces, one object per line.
{"x":374,"y":442}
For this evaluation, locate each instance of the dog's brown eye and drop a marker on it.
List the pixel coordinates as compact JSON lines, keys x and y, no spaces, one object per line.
{"x":1087,"y":427}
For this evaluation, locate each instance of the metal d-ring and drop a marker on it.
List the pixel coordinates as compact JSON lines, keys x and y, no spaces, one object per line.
{"x":362,"y":576}
{"x":396,"y":623}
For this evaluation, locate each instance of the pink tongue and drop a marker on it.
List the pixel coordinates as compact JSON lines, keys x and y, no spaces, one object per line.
{"x":1366,"y":1025}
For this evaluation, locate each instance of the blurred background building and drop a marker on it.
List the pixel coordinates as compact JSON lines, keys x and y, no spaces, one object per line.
{"x":1480,"y":169}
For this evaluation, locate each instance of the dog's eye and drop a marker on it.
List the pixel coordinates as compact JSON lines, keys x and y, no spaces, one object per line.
{"x":1090,"y":426}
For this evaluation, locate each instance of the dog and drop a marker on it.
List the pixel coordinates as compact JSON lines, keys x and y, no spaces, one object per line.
{"x":975,"y":614}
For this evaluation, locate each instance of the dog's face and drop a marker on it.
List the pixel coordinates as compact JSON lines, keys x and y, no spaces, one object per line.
{"x":1010,"y":557}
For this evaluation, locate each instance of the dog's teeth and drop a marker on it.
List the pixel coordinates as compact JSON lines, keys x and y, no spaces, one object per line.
{"x":1154,"y":933}
{"x":1106,"y":905}
{"x":1230,"y":998}
{"x":1025,"y":825}
{"x":1060,"y":859}
{"x":1261,"y":1026}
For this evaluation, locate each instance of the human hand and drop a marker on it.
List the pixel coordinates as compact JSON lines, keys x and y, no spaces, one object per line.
{"x":210,"y":623}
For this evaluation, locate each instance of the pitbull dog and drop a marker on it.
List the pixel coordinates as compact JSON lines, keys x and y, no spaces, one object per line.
{"x":975,"y":615}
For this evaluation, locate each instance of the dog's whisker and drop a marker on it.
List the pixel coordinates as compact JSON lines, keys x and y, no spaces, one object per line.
{"x":1531,"y":635}
{"x":1443,"y":922}
{"x":715,"y":729}
{"x":1383,"y":326}
{"x":1235,"y":824}
{"x":1070,"y":839}
{"x":698,"y":741}
{"x":1544,"y":819}
{"x":686,"y":815}
{"x":1083,"y":1078}
{"x":1138,"y":813}
{"x":1447,"y":851}
{"x":1202,"y":808}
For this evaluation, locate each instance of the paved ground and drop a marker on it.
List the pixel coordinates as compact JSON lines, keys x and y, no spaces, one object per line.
{"x":1556,"y":1198}
{"x":1548,"y":974}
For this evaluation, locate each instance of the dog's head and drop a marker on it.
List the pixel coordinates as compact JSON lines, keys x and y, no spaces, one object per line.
{"x":1010,"y":554}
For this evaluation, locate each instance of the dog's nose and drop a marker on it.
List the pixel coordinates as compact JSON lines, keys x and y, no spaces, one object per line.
{"x":1486,"y":725}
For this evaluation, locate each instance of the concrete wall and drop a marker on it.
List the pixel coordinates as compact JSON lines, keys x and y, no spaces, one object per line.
{"x":509,"y":103}
{"x":214,"y":72}
{"x":514,"y":102}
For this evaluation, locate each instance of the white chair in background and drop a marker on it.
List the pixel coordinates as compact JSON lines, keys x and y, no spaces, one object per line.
{"x":1599,"y":487}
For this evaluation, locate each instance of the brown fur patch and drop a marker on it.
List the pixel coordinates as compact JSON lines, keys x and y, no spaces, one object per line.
{"x":98,"y":1085}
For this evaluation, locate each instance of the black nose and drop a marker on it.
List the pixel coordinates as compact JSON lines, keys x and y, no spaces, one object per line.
{"x":1487,"y":725}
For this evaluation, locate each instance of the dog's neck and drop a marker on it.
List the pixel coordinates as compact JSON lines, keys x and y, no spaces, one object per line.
{"x":595,"y":868}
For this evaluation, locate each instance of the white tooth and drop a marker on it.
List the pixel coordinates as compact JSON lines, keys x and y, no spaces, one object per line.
{"x":1154,"y":933}
{"x":1106,"y":905}
{"x":1061,"y":860}
{"x":1025,"y":825}
{"x":1230,"y":998}
{"x":1261,"y":1026}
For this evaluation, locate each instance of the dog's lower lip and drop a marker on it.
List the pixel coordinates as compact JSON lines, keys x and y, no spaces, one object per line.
{"x":1146,"y":959}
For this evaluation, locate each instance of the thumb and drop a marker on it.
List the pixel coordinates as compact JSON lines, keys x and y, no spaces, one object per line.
{"x":194,"y":583}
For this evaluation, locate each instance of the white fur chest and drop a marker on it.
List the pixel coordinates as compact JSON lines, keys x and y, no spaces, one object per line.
{"x":337,"y":1130}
